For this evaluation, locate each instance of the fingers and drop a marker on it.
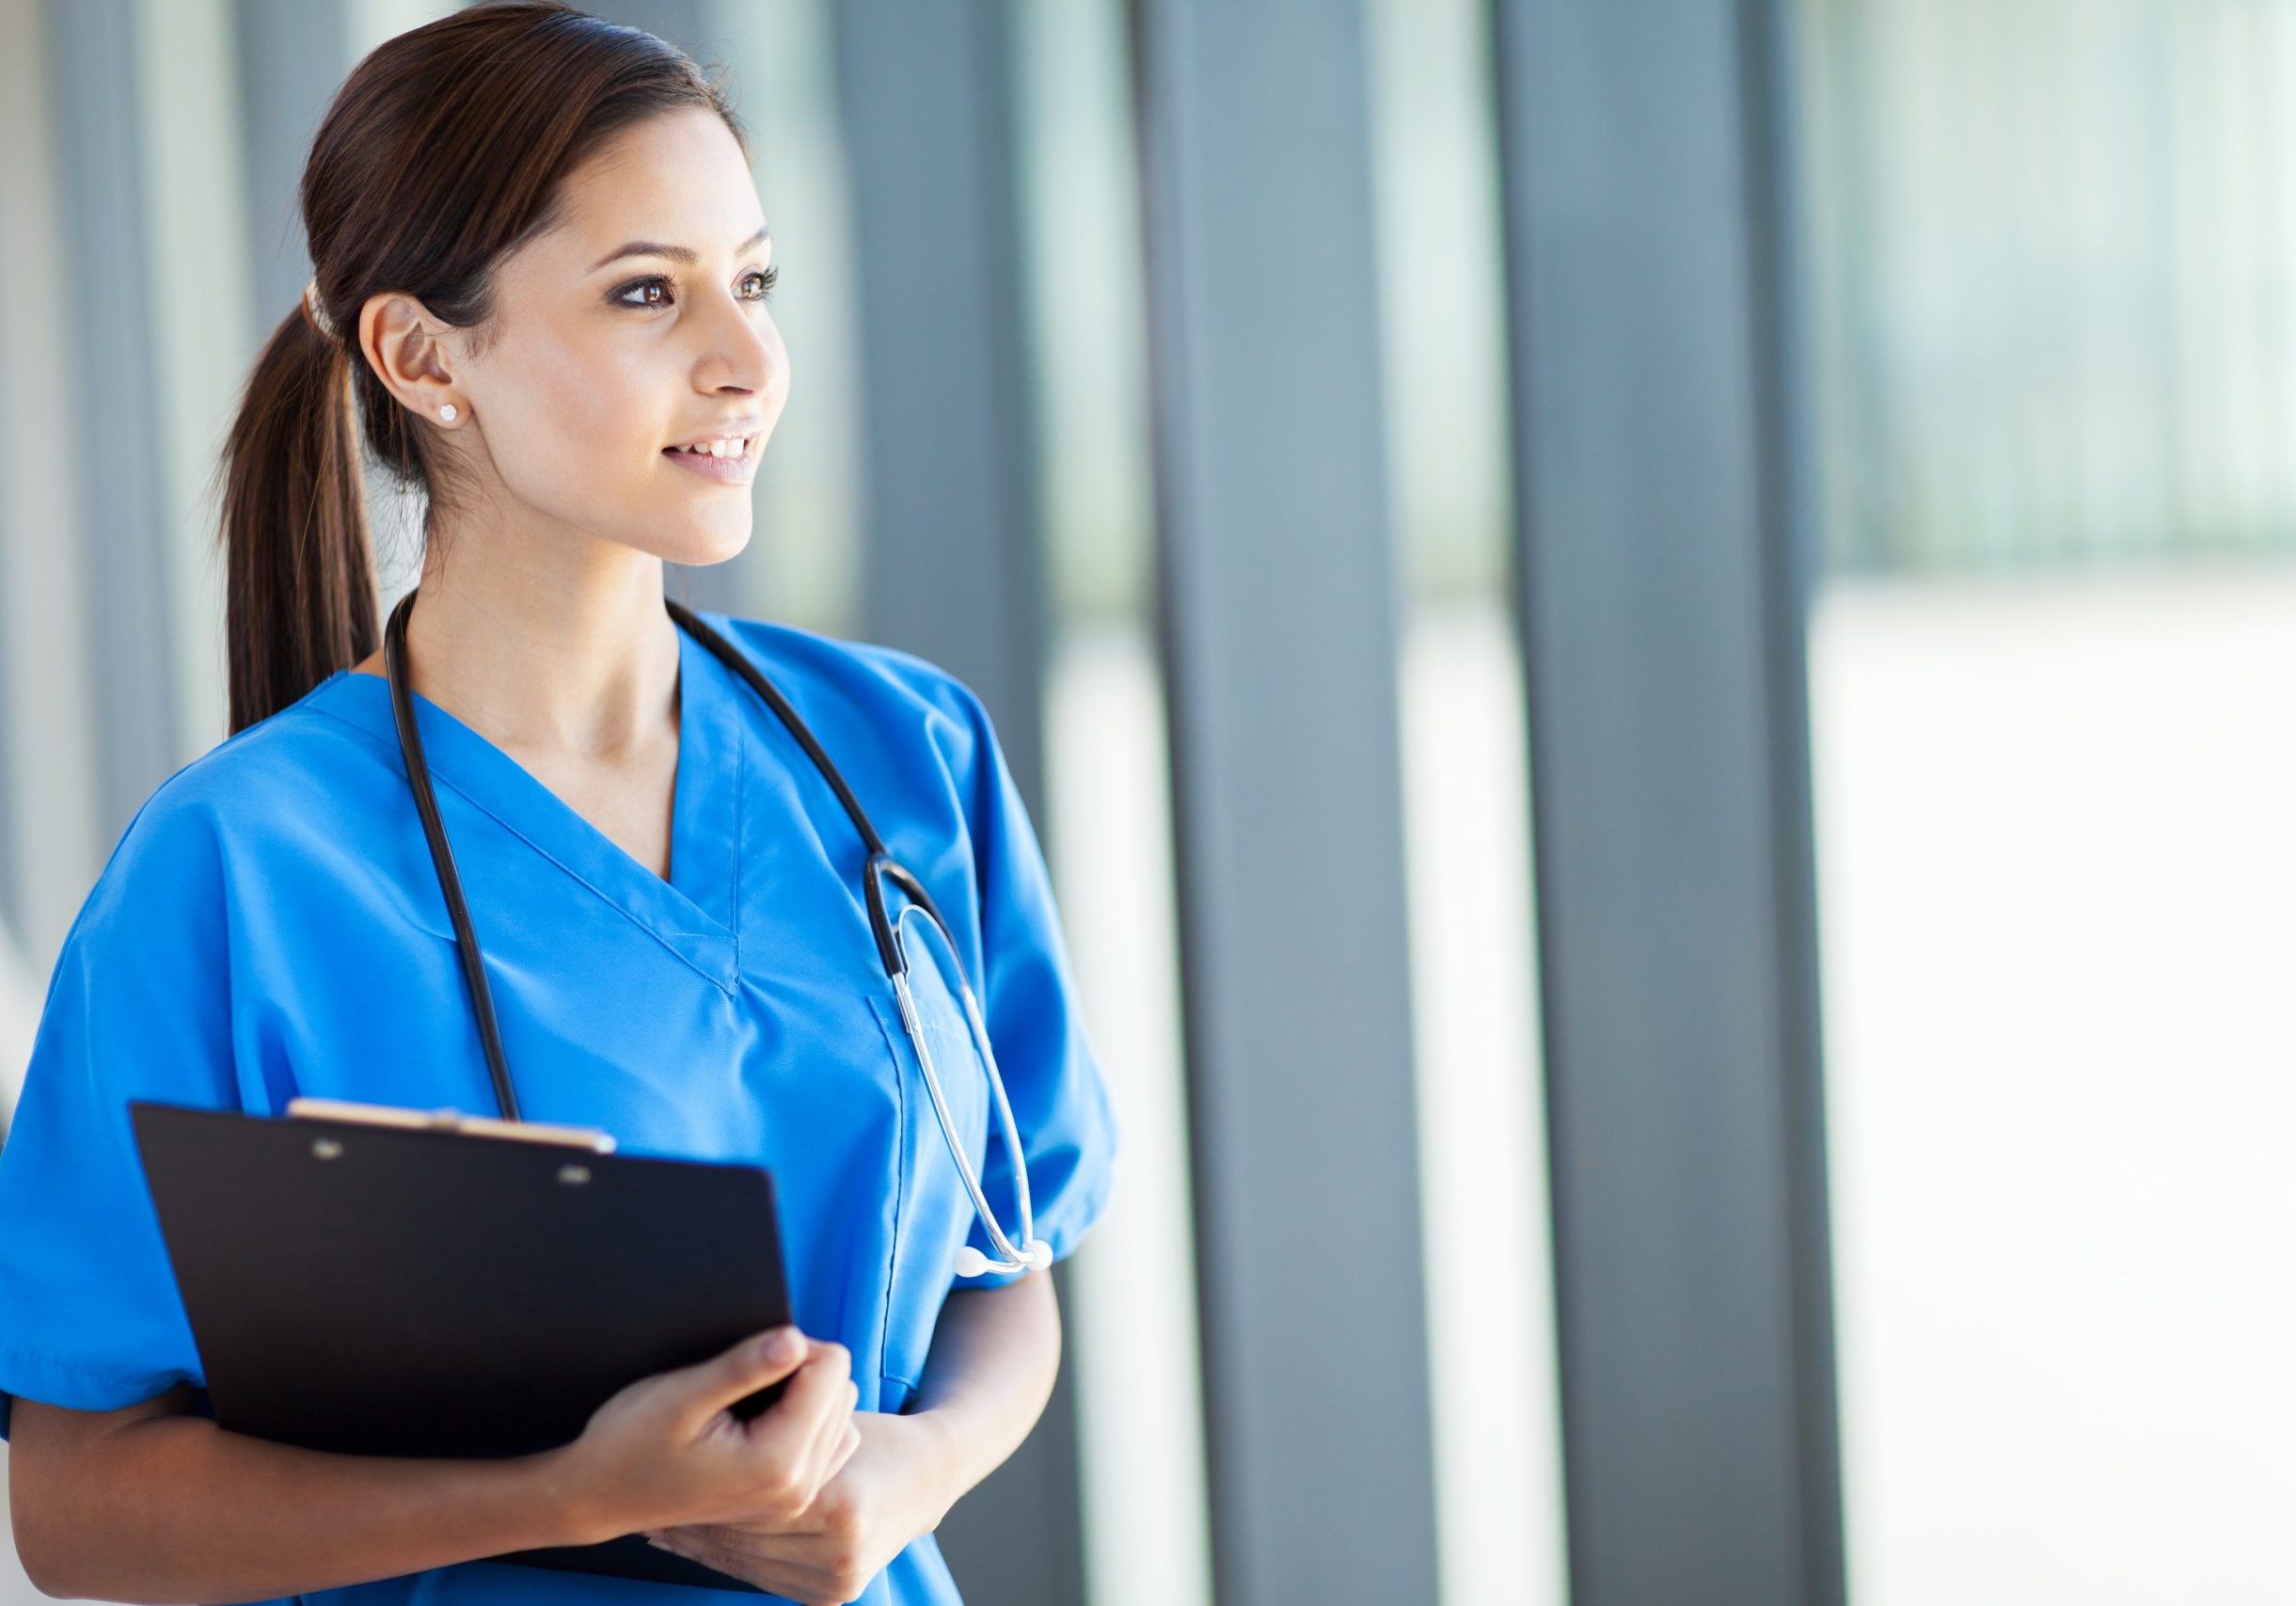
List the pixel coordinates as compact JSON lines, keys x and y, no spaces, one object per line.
{"x":795,"y":1446}
{"x":823,"y":1458}
{"x":817,"y":1389}
{"x":818,"y":1394}
{"x":747,"y":1367}
{"x":848,"y":1441}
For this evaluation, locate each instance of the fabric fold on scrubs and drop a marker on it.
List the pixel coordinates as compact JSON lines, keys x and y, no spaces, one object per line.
{"x":270,"y":924}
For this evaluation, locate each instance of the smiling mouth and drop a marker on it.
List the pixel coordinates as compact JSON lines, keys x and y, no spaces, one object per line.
{"x":734,"y":450}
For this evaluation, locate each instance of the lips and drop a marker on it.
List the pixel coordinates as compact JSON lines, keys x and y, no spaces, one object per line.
{"x":733,"y":469}
{"x":718,"y":446}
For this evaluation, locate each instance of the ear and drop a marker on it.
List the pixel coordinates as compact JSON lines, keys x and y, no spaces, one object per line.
{"x":416,"y":356}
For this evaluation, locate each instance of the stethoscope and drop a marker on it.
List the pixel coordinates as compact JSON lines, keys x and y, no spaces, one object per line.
{"x":880,"y":868}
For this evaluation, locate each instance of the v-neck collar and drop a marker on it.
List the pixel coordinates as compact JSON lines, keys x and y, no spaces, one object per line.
{"x":696,"y":913}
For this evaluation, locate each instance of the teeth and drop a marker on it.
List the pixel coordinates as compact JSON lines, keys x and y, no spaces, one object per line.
{"x":736,"y":447}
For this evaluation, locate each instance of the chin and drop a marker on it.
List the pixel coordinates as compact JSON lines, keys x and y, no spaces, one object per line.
{"x":702,"y":548}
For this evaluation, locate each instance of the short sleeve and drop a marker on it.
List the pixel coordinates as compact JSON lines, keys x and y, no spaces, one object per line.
{"x":136,"y":1008}
{"x":1052,"y":1073}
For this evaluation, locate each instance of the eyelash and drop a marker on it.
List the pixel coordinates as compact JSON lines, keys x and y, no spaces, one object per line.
{"x":772,"y":276}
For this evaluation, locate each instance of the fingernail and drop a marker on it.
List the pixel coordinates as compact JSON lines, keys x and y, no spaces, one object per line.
{"x":782,"y":1346}
{"x":657,"y":1543}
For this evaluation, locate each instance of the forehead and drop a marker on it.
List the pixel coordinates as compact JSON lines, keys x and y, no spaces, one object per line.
{"x":678,"y":179}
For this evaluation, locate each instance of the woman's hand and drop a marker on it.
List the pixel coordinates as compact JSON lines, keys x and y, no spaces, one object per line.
{"x":667,"y":1450}
{"x":897,"y":1485}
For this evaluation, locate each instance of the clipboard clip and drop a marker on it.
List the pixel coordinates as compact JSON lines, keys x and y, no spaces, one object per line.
{"x":594,"y":1139}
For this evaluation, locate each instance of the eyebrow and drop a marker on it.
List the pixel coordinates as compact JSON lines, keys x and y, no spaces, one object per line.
{"x":675,"y":253}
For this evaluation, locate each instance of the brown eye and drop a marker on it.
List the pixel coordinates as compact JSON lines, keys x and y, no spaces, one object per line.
{"x":654,"y":281}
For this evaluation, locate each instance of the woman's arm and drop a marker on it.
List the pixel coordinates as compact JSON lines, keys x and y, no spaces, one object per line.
{"x":190,"y":1513}
{"x":150,"y":1503}
{"x":990,"y":1373}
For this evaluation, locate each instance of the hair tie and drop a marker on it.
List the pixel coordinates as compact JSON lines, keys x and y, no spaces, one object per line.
{"x":312,"y":314}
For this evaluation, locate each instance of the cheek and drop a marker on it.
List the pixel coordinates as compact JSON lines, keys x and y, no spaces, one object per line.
{"x":582,"y":436}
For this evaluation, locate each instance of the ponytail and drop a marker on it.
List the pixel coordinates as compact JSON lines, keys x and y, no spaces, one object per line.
{"x":300,"y":584}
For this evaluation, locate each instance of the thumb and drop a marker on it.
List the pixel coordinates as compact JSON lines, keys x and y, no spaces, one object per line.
{"x":749,"y":1366}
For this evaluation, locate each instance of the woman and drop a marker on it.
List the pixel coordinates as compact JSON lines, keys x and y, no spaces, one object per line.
{"x":540,"y":264}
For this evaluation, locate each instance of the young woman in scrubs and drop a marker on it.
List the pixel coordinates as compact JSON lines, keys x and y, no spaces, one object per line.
{"x":541,"y":266}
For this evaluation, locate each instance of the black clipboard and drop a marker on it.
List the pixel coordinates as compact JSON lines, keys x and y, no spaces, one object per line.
{"x":384,"y":1281}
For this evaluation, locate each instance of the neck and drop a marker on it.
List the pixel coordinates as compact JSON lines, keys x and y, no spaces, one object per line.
{"x":545,"y":648}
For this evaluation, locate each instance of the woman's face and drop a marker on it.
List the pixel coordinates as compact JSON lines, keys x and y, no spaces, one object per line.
{"x":636,"y":325}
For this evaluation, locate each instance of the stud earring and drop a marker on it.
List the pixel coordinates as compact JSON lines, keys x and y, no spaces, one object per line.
{"x":446,"y":411}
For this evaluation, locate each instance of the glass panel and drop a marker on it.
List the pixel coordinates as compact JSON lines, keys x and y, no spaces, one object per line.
{"x":1482,"y":1145}
{"x":1139,"y":1385}
{"x":2055,"y":294}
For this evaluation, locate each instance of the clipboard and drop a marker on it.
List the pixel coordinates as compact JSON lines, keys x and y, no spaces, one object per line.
{"x":383,"y":1281}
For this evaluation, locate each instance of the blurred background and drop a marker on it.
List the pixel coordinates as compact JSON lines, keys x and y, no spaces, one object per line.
{"x":1654,"y":643}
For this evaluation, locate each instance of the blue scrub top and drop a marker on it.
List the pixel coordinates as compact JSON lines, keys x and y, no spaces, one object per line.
{"x":270,"y":925}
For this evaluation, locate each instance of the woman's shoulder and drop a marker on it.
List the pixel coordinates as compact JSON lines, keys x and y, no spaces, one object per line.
{"x":268,"y":785}
{"x":899,"y":692}
{"x":279,"y":765}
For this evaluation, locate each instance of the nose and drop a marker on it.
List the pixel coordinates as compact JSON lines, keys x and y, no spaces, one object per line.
{"x":740,"y":348}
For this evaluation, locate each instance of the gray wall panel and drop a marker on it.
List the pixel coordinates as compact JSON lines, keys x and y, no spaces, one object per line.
{"x":1278,"y":590}
{"x":293,"y":56}
{"x":96,"y":136}
{"x":953,"y":554}
{"x":1662,"y":621}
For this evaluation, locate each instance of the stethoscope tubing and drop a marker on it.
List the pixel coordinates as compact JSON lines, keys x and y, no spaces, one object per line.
{"x":879,"y":866}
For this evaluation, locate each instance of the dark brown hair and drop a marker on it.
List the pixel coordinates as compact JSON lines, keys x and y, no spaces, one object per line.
{"x":443,"y":151}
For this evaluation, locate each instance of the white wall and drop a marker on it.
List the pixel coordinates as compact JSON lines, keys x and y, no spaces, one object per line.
{"x":2056,"y":870}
